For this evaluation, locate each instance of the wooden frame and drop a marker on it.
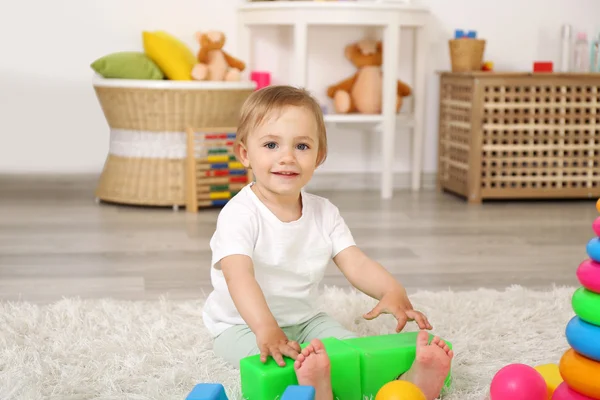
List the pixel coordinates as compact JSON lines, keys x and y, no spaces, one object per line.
{"x":213,"y":175}
{"x":519,"y":135}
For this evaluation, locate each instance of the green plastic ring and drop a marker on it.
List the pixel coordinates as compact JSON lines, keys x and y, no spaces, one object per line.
{"x":586,"y":305}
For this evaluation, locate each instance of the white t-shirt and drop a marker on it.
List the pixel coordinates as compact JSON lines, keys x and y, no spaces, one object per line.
{"x":289,"y":258}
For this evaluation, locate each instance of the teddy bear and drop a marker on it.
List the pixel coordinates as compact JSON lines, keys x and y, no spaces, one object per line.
{"x":214,"y":64}
{"x":362,"y":91}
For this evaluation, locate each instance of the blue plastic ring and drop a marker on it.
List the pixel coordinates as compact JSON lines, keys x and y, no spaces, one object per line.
{"x":584,"y":338}
{"x":593,"y":249}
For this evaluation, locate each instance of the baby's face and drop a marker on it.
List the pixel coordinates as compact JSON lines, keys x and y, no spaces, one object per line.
{"x":283,"y":151}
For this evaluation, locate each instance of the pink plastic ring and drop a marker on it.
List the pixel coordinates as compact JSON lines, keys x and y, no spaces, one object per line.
{"x":564,"y":392}
{"x":596,"y":226}
{"x":588,"y":274}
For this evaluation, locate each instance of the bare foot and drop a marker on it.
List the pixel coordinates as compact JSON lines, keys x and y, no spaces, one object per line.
{"x":313,"y":369}
{"x":431,"y":366}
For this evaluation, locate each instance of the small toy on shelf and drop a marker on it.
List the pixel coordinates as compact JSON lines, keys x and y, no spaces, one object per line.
{"x":262,"y":79}
{"x":487,"y":66}
{"x":542,"y":66}
{"x":362,"y":92}
{"x":214,"y":63}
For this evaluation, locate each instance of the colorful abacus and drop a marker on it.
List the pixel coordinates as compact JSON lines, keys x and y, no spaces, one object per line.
{"x":213,"y":173}
{"x":580,"y":365}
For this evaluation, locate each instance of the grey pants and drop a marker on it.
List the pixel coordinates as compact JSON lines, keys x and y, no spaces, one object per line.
{"x":239,"y":341}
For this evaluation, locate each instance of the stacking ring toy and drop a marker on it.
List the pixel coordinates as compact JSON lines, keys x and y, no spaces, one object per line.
{"x":593,"y":249}
{"x":580,"y":373}
{"x":564,"y":392}
{"x":596,"y":226}
{"x":588,"y":274}
{"x":586,"y":305}
{"x":598,"y":205}
{"x":583,"y":338}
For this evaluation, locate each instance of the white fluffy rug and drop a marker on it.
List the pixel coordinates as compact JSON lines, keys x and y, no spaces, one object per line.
{"x":106,"y":349}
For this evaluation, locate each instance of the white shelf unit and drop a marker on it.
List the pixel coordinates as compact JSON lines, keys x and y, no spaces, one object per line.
{"x":391,"y":17}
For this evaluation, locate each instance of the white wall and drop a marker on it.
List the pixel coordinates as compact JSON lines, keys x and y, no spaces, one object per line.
{"x":50,"y":120}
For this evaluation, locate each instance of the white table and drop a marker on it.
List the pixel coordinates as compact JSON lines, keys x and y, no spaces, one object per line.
{"x":390,"y":16}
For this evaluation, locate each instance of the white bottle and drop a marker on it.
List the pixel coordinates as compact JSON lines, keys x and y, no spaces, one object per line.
{"x":565,"y":51}
{"x":581,"y":53}
{"x":595,"y":54}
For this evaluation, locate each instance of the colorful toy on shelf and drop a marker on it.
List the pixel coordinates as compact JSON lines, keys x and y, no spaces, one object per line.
{"x":213,"y":174}
{"x":543,"y":66}
{"x":359,"y":367}
{"x":487,"y":66}
{"x":262,"y":79}
{"x":362,"y":91}
{"x":214,"y":63}
{"x":460,"y":34}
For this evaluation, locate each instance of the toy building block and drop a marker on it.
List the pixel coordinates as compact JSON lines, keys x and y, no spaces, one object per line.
{"x":297,"y":392}
{"x":384,"y":358}
{"x":269,"y":381}
{"x":207,"y":391}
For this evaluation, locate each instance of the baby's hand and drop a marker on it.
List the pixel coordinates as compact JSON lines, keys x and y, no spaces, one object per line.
{"x":273,"y":341}
{"x":398,"y":304}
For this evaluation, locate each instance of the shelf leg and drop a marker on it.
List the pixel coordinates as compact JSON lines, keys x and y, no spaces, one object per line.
{"x":244,"y":47}
{"x":300,"y":54}
{"x":391,"y":44}
{"x":419,"y":108}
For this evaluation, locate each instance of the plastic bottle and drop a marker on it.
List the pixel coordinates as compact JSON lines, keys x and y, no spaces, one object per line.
{"x":595,"y":55}
{"x":581,"y":60}
{"x":565,"y":51}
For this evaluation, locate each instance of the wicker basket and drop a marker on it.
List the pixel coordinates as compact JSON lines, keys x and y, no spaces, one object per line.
{"x":466,"y":54}
{"x":148,"y":120}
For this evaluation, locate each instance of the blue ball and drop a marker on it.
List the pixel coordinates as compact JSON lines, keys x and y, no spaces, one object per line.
{"x":584,"y":338}
{"x":593,"y":249}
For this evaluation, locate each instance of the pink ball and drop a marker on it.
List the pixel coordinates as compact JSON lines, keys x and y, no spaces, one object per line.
{"x":596,"y":226}
{"x":518,"y":382}
{"x":564,"y":392}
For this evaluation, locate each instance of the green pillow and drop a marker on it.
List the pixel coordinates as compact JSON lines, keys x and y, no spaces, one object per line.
{"x":127,"y":65}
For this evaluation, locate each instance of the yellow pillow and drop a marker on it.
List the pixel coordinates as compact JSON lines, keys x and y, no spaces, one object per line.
{"x":171,"y":55}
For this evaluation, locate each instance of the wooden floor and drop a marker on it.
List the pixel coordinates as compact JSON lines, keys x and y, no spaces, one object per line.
{"x":56,"y":241}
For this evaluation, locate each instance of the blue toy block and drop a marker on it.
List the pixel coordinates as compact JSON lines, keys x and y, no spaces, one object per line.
{"x":472,"y":34}
{"x":459,"y":33}
{"x":207,"y":391}
{"x":297,"y":392}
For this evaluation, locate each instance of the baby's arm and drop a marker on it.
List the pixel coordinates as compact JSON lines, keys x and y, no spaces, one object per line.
{"x":375,"y":281}
{"x":252,"y":306}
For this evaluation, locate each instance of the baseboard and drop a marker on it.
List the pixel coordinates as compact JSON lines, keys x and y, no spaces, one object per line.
{"x":320,"y":181}
{"x":367,"y":181}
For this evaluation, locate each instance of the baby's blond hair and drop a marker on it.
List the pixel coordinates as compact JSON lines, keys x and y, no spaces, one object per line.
{"x":264,"y":102}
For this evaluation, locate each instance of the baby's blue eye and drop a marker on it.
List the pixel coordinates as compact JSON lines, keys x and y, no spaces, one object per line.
{"x":302,"y":146}
{"x":270,"y":145}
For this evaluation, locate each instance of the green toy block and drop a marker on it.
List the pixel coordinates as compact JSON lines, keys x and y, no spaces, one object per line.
{"x":268,"y":381}
{"x":384,"y":358}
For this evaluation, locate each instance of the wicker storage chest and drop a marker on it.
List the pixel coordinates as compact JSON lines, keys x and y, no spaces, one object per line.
{"x":148,"y":121}
{"x":519,"y":135}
